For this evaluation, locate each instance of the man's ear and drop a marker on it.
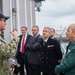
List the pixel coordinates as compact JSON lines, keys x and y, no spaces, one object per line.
{"x":74,"y":34}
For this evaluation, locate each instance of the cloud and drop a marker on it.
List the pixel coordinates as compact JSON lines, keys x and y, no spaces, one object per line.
{"x":57,"y":8}
{"x":56,"y":13}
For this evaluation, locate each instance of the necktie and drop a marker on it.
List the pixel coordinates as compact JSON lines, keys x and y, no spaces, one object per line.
{"x":23,"y":39}
{"x":44,"y":43}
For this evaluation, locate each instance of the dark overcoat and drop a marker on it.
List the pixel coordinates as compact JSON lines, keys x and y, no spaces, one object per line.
{"x":50,"y":55}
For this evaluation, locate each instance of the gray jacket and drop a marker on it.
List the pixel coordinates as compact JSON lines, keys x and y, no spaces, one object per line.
{"x":33,"y":48}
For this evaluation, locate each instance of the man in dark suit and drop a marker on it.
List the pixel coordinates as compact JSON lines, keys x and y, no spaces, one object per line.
{"x":52,"y":32}
{"x":50,"y":53}
{"x":33,"y":48}
{"x":21,"y":54}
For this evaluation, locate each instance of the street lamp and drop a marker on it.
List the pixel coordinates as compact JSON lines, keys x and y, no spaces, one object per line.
{"x":14,"y":17}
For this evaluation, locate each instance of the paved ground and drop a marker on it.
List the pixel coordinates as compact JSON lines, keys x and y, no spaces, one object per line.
{"x":18,"y":73}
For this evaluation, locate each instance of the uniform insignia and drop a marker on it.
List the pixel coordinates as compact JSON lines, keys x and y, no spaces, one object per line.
{"x":50,"y":46}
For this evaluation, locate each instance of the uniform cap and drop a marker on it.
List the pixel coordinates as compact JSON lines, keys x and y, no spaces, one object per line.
{"x":5,"y":17}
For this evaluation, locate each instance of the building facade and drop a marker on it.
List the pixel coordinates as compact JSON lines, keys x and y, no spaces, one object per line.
{"x":21,"y":12}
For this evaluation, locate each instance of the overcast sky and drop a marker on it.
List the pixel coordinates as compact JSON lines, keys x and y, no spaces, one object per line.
{"x":56,"y":13}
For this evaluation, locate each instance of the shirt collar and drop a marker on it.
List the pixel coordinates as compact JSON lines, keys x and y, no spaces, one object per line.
{"x":25,"y":36}
{"x":46,"y":40}
{"x":36,"y":35}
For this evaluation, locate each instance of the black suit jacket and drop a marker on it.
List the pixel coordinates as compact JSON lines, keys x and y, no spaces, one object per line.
{"x":33,"y":48}
{"x":50,"y":55}
{"x":19,"y":44}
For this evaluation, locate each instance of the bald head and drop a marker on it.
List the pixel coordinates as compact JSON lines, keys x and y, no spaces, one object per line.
{"x":72,"y":26}
{"x":71,"y":32}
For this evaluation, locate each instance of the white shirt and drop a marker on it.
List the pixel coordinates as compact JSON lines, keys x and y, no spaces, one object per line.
{"x":46,"y":40}
{"x":25,"y":37}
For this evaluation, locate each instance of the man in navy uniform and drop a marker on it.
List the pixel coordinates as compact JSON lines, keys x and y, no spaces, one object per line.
{"x":51,"y":54}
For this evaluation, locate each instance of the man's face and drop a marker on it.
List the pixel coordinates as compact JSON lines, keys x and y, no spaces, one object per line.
{"x":46,"y":33}
{"x":69,"y":33}
{"x":24,"y":31}
{"x":2,"y":24}
{"x":35,"y":31}
{"x":52,"y":33}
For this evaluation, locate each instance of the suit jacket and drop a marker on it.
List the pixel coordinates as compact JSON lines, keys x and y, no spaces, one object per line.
{"x":33,"y":48}
{"x":67,"y":64}
{"x":19,"y":44}
{"x":50,"y":55}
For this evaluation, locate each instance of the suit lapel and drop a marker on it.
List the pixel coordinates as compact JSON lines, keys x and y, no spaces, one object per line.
{"x":27,"y":39}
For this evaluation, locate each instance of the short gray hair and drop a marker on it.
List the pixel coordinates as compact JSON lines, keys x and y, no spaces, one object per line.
{"x":36,"y":27}
{"x":48,"y":28}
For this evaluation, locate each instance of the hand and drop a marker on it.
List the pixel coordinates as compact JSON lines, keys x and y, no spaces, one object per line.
{"x":12,"y":66}
{"x":14,"y":33}
{"x":28,"y":46}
